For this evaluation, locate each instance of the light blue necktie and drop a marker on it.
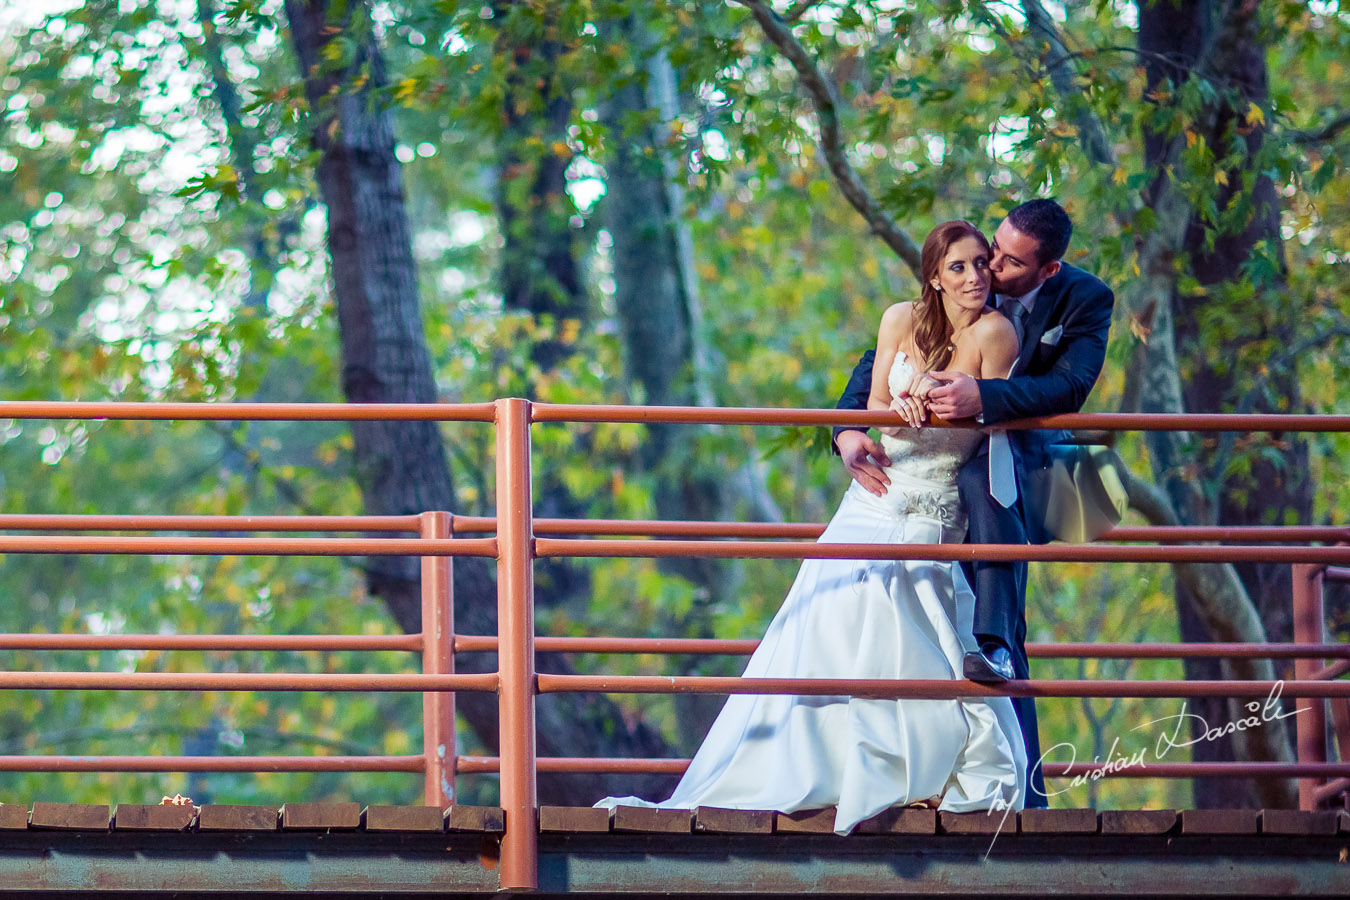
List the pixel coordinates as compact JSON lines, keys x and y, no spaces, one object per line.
{"x":1002,"y":476}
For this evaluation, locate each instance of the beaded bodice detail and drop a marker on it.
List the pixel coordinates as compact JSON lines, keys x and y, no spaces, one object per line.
{"x":928,"y":454}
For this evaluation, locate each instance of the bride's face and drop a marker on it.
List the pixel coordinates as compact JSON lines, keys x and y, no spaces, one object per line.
{"x":964,"y":276}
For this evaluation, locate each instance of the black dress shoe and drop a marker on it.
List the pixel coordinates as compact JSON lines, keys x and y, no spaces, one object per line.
{"x":991,"y":664}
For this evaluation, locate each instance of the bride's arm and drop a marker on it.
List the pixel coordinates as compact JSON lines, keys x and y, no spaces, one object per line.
{"x":998,"y":346}
{"x":896,"y":324}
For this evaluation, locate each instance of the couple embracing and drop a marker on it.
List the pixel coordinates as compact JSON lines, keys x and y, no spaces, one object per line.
{"x":1000,"y":332}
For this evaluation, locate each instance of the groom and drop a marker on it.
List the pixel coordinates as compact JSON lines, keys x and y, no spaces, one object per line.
{"x":1062,"y":316}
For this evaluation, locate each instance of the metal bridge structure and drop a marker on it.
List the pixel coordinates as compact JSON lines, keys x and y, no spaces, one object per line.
{"x":445,"y":849}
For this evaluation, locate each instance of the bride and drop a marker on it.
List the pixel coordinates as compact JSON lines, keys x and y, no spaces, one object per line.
{"x":882,"y":619}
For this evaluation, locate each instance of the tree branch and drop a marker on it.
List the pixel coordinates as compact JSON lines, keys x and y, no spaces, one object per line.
{"x":1325,"y":133}
{"x":799,"y":9}
{"x":831,"y":141}
{"x":1056,"y":60}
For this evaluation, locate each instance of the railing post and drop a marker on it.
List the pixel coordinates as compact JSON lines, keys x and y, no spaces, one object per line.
{"x":1310,"y":726}
{"x":515,"y":653}
{"x":438,"y":658}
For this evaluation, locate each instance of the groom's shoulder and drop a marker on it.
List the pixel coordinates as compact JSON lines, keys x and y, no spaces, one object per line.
{"x":1075,"y":281}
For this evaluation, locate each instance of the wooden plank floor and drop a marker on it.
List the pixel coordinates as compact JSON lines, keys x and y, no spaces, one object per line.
{"x":342,"y":849}
{"x":491,"y":820}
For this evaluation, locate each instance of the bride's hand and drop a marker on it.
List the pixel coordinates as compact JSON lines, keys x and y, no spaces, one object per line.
{"x":911,"y":409}
{"x":920,"y":385}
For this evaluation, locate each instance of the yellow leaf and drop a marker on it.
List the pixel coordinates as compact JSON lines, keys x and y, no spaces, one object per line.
{"x":1119,"y":176}
{"x":1221,"y":177}
{"x":1254,"y":115}
{"x":1191,"y":138}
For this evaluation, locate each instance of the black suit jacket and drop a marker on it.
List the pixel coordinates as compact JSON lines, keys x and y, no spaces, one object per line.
{"x":1062,"y":353}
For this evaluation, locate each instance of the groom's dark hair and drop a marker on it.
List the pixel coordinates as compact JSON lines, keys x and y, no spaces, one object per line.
{"x":1048,"y":223}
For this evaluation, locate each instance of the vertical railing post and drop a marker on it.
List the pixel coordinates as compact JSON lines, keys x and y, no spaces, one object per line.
{"x":515,"y":646}
{"x":438,"y":658}
{"x":1310,"y":725}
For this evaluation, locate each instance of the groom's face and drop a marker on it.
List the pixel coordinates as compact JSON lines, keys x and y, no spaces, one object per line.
{"x":1015,"y":264}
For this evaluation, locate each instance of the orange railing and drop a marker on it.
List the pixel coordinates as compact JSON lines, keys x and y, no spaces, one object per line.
{"x":520,"y":539}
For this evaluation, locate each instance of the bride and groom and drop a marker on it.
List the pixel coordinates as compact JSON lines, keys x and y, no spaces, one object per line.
{"x":999,"y":333}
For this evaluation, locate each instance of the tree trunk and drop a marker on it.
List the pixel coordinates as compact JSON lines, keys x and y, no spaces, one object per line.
{"x":401,"y":467}
{"x":660,"y":317}
{"x":1209,"y":40}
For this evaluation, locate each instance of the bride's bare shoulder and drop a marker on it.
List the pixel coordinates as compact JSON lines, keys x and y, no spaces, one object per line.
{"x":995,"y":335}
{"x":994,"y":326}
{"x":898,"y":316}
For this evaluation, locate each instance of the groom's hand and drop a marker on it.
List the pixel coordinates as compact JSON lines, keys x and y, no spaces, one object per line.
{"x":863,"y":457}
{"x":957,"y":395}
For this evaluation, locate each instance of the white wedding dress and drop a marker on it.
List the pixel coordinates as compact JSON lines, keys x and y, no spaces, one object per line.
{"x":868,"y":619}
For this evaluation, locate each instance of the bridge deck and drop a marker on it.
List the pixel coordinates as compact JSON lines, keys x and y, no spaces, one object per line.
{"x":341,"y":850}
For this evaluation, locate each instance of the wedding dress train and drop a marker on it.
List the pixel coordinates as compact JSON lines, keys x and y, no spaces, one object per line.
{"x":873,"y":619}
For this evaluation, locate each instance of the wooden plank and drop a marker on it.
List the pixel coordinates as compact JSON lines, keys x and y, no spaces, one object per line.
{"x":1298,"y":821}
{"x":1219,"y":821}
{"x":1059,"y":821}
{"x":404,"y":818}
{"x":805,"y":821}
{"x":653,"y":821}
{"x":156,"y":817}
{"x":345,"y":816}
{"x":568,"y":819}
{"x":992,"y":822}
{"x":1138,"y":821}
{"x":70,"y":816}
{"x":488,"y":819}
{"x":901,"y":820}
{"x":716,"y":820}
{"x":13,"y":817}
{"x":226,"y":817}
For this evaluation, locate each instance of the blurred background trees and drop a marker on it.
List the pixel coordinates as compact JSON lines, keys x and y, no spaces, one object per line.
{"x":679,"y":202}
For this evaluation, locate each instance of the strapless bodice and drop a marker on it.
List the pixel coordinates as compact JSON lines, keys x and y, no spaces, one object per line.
{"x":926,"y":454}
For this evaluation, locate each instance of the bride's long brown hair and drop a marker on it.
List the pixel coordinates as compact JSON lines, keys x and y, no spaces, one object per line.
{"x":932,"y":328}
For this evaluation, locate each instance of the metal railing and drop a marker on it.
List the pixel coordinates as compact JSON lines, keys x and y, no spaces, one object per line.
{"x":520,"y":539}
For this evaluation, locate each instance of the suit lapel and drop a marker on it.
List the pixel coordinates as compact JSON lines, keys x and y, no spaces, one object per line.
{"x":1047,"y":302}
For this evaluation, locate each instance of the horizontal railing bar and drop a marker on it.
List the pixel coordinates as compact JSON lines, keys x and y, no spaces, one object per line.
{"x":210,"y":642}
{"x":197,"y":546}
{"x":647,"y":528}
{"x":471,"y":643}
{"x":1337,"y":573}
{"x":567,"y":547}
{"x":931,"y":688}
{"x":1231,"y":650}
{"x":624,"y":527}
{"x":1147,"y":769}
{"x":701,"y":415}
{"x":576,"y":413}
{"x":39,"y":522}
{"x":212,"y":763}
{"x":657,"y":528}
{"x":248,"y":412}
{"x":244,"y":681}
{"x":1239,"y":769}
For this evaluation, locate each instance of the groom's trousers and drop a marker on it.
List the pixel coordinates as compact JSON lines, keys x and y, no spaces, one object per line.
{"x":1000,"y":598}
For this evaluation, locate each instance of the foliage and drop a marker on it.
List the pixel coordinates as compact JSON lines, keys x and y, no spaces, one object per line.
{"x":154,"y":245}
